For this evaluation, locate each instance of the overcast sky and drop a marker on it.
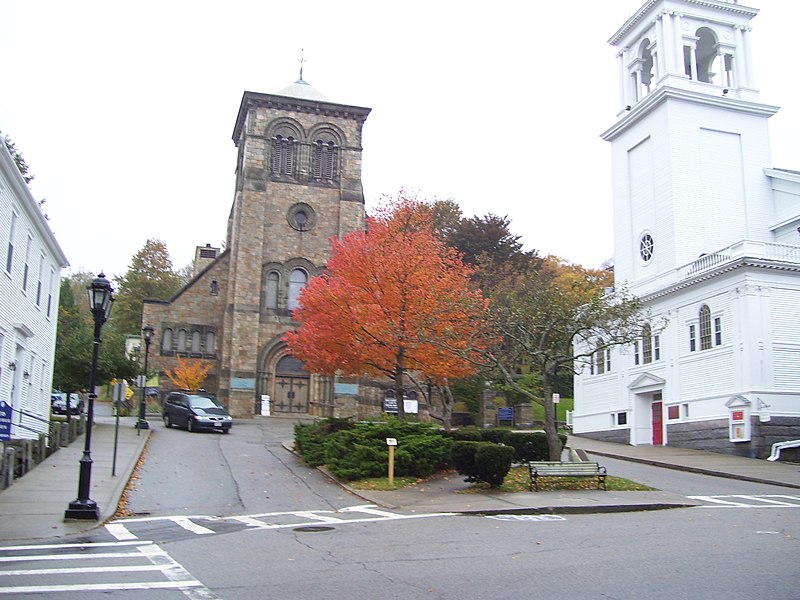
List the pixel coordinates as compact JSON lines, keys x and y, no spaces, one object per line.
{"x":124,"y":110}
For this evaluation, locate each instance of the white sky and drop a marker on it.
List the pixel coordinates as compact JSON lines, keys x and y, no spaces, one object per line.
{"x":124,"y":110}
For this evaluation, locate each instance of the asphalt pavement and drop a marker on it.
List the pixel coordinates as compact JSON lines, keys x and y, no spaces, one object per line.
{"x":33,"y":507}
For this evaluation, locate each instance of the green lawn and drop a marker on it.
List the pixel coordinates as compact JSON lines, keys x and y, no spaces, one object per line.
{"x":517,"y":480}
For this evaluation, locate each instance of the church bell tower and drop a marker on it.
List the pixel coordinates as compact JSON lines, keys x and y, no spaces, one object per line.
{"x":690,"y":141}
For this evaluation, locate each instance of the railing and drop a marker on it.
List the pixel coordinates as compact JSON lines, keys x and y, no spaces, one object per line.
{"x":747,"y":248}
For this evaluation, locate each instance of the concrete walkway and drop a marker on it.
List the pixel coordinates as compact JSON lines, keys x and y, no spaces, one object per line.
{"x":33,"y":507}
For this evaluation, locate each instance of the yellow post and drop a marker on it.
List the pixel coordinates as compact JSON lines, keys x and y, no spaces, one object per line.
{"x":391,"y":466}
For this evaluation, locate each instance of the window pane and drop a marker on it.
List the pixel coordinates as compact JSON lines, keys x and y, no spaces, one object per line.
{"x":166,"y":340}
{"x":195,"y":341}
{"x":272,"y":290}
{"x":692,"y":338}
{"x":705,"y":327}
{"x":297,"y":281}
{"x":647,"y":345}
{"x":210,"y":341}
{"x":182,"y":340}
{"x":717,"y":331}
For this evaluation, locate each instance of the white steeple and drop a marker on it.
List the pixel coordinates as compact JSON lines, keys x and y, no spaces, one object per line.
{"x":691,"y":141}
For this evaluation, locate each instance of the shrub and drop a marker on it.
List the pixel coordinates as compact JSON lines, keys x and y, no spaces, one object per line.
{"x":467,"y":434}
{"x":309,"y":438}
{"x":530,"y":446}
{"x":350,"y":455}
{"x":493,"y":462}
{"x":462,"y":456}
{"x":422,"y":455}
{"x":496,"y":435}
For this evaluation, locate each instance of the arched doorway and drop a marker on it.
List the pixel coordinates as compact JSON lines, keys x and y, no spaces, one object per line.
{"x":292,"y":383}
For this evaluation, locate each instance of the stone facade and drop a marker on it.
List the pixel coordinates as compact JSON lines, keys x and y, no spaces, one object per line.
{"x":298,"y":184}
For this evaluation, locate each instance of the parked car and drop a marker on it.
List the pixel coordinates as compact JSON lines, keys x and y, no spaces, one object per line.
{"x":195,"y":411}
{"x":58,"y":403}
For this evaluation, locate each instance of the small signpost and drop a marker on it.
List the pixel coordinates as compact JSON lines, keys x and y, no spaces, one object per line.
{"x":391,"y":442}
{"x":556,"y":400}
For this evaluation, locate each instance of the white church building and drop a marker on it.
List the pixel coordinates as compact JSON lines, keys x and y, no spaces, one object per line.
{"x":707,"y":234}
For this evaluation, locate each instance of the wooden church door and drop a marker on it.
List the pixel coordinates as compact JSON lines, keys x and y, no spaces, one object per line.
{"x":292,"y":383}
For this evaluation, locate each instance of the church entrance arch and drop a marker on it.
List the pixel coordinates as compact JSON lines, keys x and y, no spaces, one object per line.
{"x":291,"y":389}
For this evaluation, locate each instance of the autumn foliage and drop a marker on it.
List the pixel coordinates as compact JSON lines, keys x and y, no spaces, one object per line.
{"x":189,"y":374}
{"x":394,"y":299}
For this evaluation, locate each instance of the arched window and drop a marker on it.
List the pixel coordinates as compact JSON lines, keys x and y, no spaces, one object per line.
{"x":195,"y":341}
{"x":283,"y":155}
{"x":705,"y":327}
{"x":647,"y":344}
{"x":324,"y":160}
{"x":210,"y":341}
{"x":181,"y":340}
{"x":166,"y":340}
{"x":705,"y":55}
{"x":297,"y":281}
{"x":271,"y":298}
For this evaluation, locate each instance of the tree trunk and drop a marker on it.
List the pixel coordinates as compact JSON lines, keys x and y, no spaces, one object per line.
{"x":550,"y":430}
{"x":398,"y":384}
{"x":447,"y":406}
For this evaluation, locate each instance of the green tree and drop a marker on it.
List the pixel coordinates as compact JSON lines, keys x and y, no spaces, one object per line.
{"x":556,"y":318}
{"x":74,"y":340}
{"x":150,"y":276}
{"x":18,"y":159}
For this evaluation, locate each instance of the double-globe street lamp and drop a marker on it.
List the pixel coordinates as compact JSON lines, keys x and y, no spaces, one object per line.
{"x":142,"y":423}
{"x":101,"y":298}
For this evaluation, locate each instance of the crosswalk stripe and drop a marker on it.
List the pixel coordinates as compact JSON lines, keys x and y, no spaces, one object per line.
{"x":765,"y":499}
{"x":102,"y":587}
{"x":189,"y":525}
{"x":119,"y":531}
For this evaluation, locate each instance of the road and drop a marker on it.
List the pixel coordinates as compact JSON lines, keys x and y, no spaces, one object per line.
{"x":238,"y":517}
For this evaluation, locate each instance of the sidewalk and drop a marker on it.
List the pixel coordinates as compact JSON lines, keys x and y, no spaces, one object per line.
{"x":442,"y":495}
{"x":33,"y":506}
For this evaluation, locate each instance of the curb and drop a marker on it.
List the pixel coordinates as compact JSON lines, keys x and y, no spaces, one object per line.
{"x":697,"y":470}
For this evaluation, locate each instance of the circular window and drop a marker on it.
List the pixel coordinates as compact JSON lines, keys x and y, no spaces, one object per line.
{"x":301,"y":217}
{"x":646,"y":247}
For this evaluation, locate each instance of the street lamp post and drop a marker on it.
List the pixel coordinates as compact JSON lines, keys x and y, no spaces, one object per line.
{"x":101,"y":297}
{"x":142,"y":423}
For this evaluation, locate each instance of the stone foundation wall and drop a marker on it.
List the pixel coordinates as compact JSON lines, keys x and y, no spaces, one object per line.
{"x":713,"y":436}
{"x":618,"y":436}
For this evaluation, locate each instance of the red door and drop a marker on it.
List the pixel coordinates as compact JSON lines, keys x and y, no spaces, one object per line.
{"x":658,"y":424}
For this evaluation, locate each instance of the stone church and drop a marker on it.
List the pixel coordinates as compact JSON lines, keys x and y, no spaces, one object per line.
{"x":298,"y":184}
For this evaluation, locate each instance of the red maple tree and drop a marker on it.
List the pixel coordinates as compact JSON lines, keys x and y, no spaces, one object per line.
{"x":394,"y":300}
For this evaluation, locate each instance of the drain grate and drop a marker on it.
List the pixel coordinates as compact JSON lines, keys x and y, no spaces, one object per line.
{"x":313,"y":528}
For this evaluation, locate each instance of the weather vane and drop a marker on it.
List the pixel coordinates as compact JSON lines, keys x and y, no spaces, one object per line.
{"x":301,"y":61}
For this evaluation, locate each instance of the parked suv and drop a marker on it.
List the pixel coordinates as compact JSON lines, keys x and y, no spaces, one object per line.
{"x":196,"y":410}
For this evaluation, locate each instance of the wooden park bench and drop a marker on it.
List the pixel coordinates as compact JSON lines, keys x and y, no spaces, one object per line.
{"x":566,"y":469}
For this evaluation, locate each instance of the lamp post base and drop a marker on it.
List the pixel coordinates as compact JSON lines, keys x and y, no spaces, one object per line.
{"x":86,"y":510}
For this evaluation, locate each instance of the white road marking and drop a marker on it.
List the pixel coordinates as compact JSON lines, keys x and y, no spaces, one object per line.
{"x":527,"y":517}
{"x":189,"y":525}
{"x":119,"y":531}
{"x":175,"y":576}
{"x":752,"y":501}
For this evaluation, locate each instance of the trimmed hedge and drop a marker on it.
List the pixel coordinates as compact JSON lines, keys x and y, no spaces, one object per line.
{"x":358,"y":450}
{"x":493,"y":462}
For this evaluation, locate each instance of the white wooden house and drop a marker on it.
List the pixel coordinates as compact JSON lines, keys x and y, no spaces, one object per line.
{"x":30,"y":276}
